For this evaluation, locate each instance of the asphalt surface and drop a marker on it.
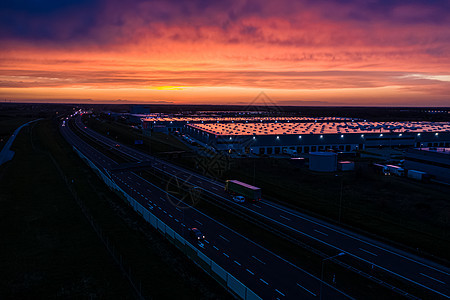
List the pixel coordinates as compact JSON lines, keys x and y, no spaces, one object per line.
{"x":426,"y":274}
{"x":264,"y":272}
{"x":6,"y":154}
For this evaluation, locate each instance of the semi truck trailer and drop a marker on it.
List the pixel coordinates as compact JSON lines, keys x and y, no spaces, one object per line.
{"x":236,"y":187}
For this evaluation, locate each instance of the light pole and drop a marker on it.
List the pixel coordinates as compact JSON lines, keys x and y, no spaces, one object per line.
{"x":321,"y":274}
{"x":340,"y":197}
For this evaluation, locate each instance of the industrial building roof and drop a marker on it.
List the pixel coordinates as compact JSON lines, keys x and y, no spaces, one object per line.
{"x":242,"y":119}
{"x":320,"y":128}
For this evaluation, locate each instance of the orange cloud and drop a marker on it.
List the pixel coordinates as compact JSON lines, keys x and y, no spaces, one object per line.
{"x":295,"y":51}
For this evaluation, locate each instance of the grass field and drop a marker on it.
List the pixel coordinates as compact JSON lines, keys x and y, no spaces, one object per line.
{"x":49,"y":250}
{"x":8,"y":125}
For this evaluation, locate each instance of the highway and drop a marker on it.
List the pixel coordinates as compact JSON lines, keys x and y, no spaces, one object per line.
{"x":6,"y":154}
{"x":264,"y":272}
{"x":423,"y":273}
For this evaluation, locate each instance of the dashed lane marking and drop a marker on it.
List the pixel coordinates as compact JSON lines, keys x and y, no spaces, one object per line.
{"x":258,"y":260}
{"x":320,"y":232}
{"x":306,"y":289}
{"x":371,"y":253}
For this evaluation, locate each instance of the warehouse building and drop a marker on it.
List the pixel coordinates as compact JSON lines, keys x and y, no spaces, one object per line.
{"x":434,"y":161}
{"x":304,"y":137}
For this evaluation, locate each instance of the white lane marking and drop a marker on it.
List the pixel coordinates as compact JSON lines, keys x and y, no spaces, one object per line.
{"x":259,"y":260}
{"x":149,"y":191}
{"x":249,"y":271}
{"x":216,"y":248}
{"x":138,"y":183}
{"x":371,"y":253}
{"x":183,"y":225}
{"x":198,"y":222}
{"x":285,"y":217}
{"x":237,"y":263}
{"x":170,"y":216}
{"x":176,"y":220}
{"x":307,"y":290}
{"x":298,"y":215}
{"x":224,"y":238}
{"x":280,"y":293}
{"x":263,"y":281}
{"x":214,"y":188}
{"x":162,"y":199}
{"x":206,"y":241}
{"x":432,"y":278}
{"x":159,"y":208}
{"x":129,"y":177}
{"x":226,"y":255}
{"x":164,"y":211}
{"x":256,"y":205}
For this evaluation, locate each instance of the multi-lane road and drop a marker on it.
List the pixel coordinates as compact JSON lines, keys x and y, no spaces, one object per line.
{"x":423,"y":273}
{"x":264,"y":272}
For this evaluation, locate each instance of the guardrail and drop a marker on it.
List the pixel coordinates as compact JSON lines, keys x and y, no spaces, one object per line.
{"x":224,"y":278}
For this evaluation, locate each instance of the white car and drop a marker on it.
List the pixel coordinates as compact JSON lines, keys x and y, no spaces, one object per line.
{"x":239,"y":199}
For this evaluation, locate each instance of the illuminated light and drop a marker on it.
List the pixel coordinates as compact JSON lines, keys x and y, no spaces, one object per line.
{"x":418,"y":134}
{"x":381,"y":134}
{"x":436,"y":133}
{"x":278,"y":137}
{"x":321,"y":136}
{"x":299,"y":136}
{"x":400,"y":134}
{"x":230,"y":138}
{"x":254,"y":138}
{"x":362,"y":135}
{"x":342,"y":135}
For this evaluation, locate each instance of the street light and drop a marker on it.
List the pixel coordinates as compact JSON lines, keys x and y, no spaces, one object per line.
{"x":321,"y":275}
{"x":340,"y":197}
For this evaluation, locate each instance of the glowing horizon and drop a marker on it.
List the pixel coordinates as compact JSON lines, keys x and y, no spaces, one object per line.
{"x":390,"y":53}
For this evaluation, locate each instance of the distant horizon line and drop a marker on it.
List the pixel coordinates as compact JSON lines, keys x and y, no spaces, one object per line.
{"x":129,"y":102}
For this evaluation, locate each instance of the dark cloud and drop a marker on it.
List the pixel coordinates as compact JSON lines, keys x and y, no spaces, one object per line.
{"x":47,"y":20}
{"x":92,"y":20}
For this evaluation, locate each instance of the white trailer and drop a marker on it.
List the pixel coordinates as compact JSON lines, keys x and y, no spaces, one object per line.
{"x":417,"y":175}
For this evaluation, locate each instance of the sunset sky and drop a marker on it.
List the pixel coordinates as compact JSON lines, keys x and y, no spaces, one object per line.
{"x":299,"y":52}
